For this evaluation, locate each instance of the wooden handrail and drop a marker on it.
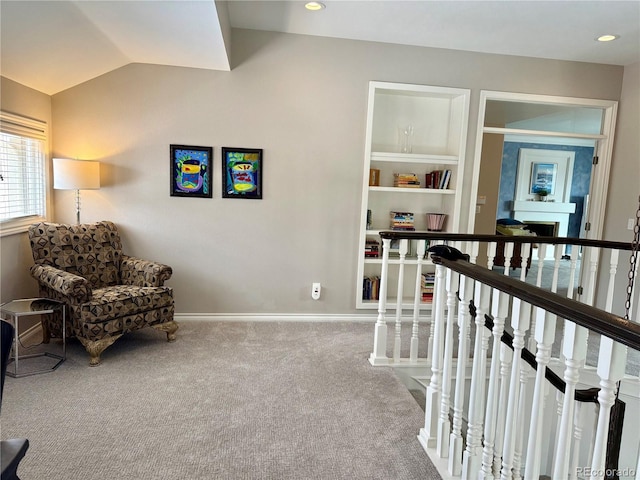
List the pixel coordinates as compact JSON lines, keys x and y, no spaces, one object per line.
{"x":594,"y":319}
{"x":467,"y":237}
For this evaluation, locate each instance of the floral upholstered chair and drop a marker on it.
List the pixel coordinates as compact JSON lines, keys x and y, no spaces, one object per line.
{"x":106,"y":292}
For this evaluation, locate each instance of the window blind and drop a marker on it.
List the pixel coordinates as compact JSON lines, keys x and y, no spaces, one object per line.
{"x":22,"y":168}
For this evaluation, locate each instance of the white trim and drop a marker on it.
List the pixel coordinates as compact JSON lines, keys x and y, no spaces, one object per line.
{"x":38,"y":130}
{"x":274,"y":317}
{"x":575,"y":142}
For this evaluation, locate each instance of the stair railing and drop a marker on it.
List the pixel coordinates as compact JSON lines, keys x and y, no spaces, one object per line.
{"x":503,"y":391}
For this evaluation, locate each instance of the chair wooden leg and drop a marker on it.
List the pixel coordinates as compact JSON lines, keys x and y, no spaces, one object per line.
{"x":170,"y":327}
{"x":95,"y":348}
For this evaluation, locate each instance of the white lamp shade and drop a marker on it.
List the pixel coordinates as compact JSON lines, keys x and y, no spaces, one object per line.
{"x":75,"y":174}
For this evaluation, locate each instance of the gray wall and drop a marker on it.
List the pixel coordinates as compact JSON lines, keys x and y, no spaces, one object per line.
{"x":622,"y":201}
{"x":303,"y":100}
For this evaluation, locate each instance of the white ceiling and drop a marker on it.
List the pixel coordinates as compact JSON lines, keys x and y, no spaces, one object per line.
{"x":54,"y":45}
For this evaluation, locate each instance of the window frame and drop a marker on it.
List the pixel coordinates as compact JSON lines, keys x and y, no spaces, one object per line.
{"x":35,"y":129}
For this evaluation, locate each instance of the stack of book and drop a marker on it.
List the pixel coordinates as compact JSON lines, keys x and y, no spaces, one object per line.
{"x":371,"y":288}
{"x":371,"y":248}
{"x":406,"y":180}
{"x":402,"y":221}
{"x":428,"y":281}
{"x":438,"y":179}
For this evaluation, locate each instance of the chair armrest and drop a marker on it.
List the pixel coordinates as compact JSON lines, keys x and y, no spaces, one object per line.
{"x":143,"y":273}
{"x":65,"y":283}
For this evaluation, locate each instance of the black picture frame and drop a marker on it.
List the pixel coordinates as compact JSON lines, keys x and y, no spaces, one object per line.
{"x":242,"y":172}
{"x":190,"y":171}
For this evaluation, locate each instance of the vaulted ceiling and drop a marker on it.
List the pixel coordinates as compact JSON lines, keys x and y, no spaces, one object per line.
{"x":54,"y":45}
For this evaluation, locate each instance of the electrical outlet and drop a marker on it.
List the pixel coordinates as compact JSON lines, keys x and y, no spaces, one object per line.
{"x":631,"y":223}
{"x":315,"y":291}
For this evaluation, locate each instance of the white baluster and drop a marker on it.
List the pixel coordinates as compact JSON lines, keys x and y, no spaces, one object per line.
{"x":521,"y":416}
{"x":474,"y":247}
{"x":427,"y":436}
{"x":500,"y":309}
{"x":577,"y":437}
{"x":574,"y":349}
{"x":542,"y":253}
{"x":525,"y":250}
{"x":491,"y":254}
{"x":611,"y":364}
{"x":432,"y":318}
{"x":575,"y":252}
{"x":520,"y":320}
{"x":444,"y":425}
{"x":557,"y":256}
{"x":397,"y":344}
{"x":545,"y":332}
{"x":506,"y":359}
{"x":379,"y":354}
{"x":590,"y":290}
{"x":417,"y":299}
{"x":455,"y":442}
{"x":471,"y":460}
{"x":508,"y":255}
{"x":551,"y":446}
{"x":613,"y":268}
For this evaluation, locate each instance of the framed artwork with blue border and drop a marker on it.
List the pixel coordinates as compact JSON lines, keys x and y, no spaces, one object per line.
{"x":543,"y":177}
{"x":191,"y":171}
{"x":242,"y":172}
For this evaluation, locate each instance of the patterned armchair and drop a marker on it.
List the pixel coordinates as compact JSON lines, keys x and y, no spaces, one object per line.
{"x":106,"y":292}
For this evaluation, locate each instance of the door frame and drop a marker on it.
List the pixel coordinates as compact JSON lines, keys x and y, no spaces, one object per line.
{"x":603,"y":148}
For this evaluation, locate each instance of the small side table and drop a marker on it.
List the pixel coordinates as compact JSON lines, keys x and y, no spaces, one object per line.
{"x":26,"y":308}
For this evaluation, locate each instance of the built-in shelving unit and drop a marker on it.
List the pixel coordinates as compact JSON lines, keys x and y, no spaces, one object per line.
{"x":437,"y":118}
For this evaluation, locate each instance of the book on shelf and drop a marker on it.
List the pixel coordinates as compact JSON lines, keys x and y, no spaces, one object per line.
{"x":438,"y":179}
{"x":406,"y":180}
{"x":371,"y":288}
{"x":371,"y":248}
{"x":401,"y":221}
{"x":427,"y":286}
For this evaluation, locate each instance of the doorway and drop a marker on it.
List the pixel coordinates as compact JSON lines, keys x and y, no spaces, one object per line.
{"x":509,"y":122}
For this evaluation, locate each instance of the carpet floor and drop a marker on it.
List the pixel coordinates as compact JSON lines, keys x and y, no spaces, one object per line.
{"x":227,"y":400}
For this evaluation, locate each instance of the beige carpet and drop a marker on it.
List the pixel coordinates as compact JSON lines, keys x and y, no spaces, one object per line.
{"x":226,"y":401}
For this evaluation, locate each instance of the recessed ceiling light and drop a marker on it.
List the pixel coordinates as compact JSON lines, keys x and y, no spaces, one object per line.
{"x":607,"y":38}
{"x":314,"y":6}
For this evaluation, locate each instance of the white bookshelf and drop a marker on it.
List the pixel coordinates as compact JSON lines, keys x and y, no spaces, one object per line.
{"x":438,"y":117}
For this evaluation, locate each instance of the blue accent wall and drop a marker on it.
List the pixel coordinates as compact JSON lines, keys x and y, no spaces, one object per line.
{"x":579,"y":186}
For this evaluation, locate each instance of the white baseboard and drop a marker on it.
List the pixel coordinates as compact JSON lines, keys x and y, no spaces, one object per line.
{"x":274,"y":317}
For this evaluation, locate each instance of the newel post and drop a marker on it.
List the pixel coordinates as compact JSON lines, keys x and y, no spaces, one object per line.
{"x":427,"y":436}
{"x":379,"y":354}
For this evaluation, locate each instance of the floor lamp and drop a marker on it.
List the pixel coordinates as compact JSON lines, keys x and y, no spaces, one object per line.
{"x":76,"y":175}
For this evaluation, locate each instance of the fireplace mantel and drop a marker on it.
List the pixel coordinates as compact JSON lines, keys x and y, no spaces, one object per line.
{"x":544,"y":207}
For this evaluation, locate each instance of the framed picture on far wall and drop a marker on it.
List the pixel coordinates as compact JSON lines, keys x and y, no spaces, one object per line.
{"x":543,"y":177}
{"x":242,"y":172}
{"x":191,"y":171}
